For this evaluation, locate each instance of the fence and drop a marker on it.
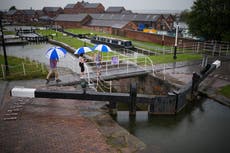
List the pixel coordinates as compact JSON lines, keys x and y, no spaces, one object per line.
{"x":21,"y":70}
{"x":126,"y":62}
{"x":212,"y":48}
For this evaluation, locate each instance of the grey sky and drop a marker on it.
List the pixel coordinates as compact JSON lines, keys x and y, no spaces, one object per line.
{"x":128,"y":4}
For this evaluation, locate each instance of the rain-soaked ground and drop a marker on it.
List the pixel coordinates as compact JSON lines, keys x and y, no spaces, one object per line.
{"x":56,"y":125}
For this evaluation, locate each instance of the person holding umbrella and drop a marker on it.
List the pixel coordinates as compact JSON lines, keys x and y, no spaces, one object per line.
{"x":81,"y":51}
{"x":54,"y":54}
{"x":81,"y":64}
{"x":98,"y":59}
{"x":53,"y":70}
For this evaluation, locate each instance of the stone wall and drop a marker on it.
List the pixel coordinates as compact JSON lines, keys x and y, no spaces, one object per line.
{"x":146,"y":84}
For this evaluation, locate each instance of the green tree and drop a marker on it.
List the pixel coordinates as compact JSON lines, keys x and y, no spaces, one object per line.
{"x":210,"y":19}
{"x":12,"y":8}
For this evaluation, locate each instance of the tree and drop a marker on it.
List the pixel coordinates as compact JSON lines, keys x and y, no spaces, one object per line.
{"x":210,"y":19}
{"x":12,"y":8}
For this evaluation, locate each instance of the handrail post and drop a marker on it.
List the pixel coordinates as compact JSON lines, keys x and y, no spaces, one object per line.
{"x":23,"y":67}
{"x":3,"y":71}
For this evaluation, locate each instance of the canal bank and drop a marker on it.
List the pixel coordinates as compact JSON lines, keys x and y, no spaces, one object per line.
{"x":61,"y":112}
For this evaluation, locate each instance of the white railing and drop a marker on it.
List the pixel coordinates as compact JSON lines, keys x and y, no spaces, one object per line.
{"x":124,"y":63}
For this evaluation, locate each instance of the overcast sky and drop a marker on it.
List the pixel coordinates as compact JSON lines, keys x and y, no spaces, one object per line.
{"x":128,"y":4}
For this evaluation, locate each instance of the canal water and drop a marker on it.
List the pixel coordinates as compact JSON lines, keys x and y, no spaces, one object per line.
{"x":202,"y":127}
{"x":37,"y":52}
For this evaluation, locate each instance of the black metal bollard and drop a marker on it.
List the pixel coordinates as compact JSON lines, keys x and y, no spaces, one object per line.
{"x":133,"y":97}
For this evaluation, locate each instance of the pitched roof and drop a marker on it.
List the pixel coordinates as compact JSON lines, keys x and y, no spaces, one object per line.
{"x":51,"y":9}
{"x":108,"y":23}
{"x":29,"y":12}
{"x":69,"y":6}
{"x":126,"y":17}
{"x":116,"y":9}
{"x":40,"y":12}
{"x":90,"y":5}
{"x":71,"y":17}
{"x":11,"y":12}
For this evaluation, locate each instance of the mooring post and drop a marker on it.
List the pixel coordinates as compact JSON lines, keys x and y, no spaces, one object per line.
{"x":133,"y":97}
{"x":195,"y":83}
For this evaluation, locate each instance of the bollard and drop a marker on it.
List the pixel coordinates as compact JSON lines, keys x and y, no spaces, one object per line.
{"x":133,"y":97}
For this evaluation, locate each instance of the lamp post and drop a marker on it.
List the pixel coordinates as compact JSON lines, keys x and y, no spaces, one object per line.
{"x":4,"y":47}
{"x":175,"y":46}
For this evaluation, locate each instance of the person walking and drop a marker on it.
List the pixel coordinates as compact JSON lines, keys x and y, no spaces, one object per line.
{"x":81,"y":64}
{"x":53,"y":70}
{"x":98,"y":59}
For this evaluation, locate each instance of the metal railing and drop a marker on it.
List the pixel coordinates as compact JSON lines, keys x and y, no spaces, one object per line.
{"x":123,"y":63}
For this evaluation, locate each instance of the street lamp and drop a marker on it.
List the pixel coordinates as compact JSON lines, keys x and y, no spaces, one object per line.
{"x":4,"y":47}
{"x":175,"y":46}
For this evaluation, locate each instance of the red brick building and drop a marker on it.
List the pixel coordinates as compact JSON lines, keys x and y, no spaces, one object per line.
{"x":84,"y":7}
{"x":169,"y":21}
{"x":21,"y":16}
{"x":52,"y":11}
{"x":72,"y":20}
{"x":109,"y":26}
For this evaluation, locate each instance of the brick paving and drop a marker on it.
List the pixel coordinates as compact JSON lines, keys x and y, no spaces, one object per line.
{"x":45,"y":125}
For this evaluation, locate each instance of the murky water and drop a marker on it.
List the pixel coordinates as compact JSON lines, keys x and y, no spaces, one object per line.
{"x":201,"y":128}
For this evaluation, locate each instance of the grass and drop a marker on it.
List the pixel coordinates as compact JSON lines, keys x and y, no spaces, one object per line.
{"x":169,"y":58}
{"x":76,"y":43}
{"x":58,"y":36}
{"x":16,"y":72}
{"x":225,"y":91}
{"x":157,"y":48}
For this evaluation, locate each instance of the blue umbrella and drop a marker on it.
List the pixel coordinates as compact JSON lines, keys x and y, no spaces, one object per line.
{"x":83,"y":50}
{"x":56,"y":53}
{"x":102,"y":48}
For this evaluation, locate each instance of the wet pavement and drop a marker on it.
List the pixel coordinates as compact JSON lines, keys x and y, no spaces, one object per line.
{"x":56,"y":125}
{"x":60,"y":125}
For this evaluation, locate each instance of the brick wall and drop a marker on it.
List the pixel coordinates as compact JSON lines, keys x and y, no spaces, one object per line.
{"x":159,"y":39}
{"x":66,"y":24}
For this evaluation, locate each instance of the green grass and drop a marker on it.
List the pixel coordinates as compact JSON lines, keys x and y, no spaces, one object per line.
{"x":225,"y":91}
{"x":169,"y":58}
{"x":73,"y":42}
{"x":9,"y":33}
{"x":32,"y":69}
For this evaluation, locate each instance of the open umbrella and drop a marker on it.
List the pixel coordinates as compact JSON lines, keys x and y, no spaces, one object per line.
{"x":56,"y":53}
{"x":102,"y":48}
{"x":83,"y":50}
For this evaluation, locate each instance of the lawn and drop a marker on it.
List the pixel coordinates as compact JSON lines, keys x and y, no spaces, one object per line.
{"x":22,"y":69}
{"x":76,"y":43}
{"x":225,"y":91}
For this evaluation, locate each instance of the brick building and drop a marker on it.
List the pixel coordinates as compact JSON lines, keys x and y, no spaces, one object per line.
{"x":72,"y":20}
{"x":116,"y":9}
{"x":52,"y":11}
{"x":21,"y":16}
{"x":110,"y":26}
{"x":84,"y":7}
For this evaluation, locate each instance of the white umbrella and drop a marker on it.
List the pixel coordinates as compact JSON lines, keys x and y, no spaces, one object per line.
{"x":102,"y":48}
{"x":83,"y":50}
{"x":56,"y":53}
